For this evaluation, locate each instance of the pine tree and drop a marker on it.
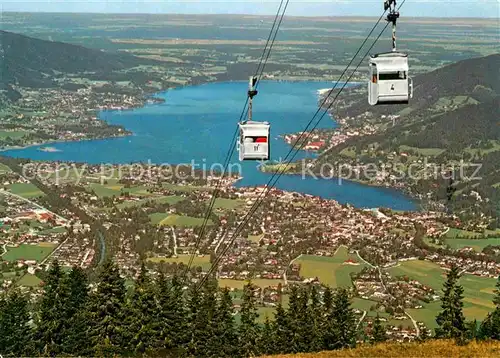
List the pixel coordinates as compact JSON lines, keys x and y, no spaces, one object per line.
{"x":343,"y":320}
{"x":75,"y":338}
{"x":305,"y":322}
{"x":51,"y":319}
{"x":106,"y":312}
{"x":202,"y":308}
{"x":451,"y":320}
{"x":472,"y":329}
{"x":142,"y":326}
{"x":490,"y":327}
{"x":378,"y":331}
{"x":15,"y":333}
{"x":280,"y":331}
{"x":195,"y":323}
{"x":172,"y":317}
{"x":291,"y":328}
{"x":266,"y":339}
{"x":315,"y":314}
{"x":225,"y":332}
{"x":248,"y":329}
{"x":327,"y":336}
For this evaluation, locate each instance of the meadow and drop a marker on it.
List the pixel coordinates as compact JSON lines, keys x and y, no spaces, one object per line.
{"x":239,"y":284}
{"x":4,"y":169}
{"x":478,"y":291}
{"x":28,"y":252}
{"x":26,"y":190}
{"x":433,"y":348}
{"x":331,"y":271}
{"x":477,"y":244}
{"x":29,"y":280}
{"x":171,"y":199}
{"x":202,"y":261}
{"x":12,"y":134}
{"x":108,"y":190}
{"x":164,"y":219}
{"x":458,"y":239}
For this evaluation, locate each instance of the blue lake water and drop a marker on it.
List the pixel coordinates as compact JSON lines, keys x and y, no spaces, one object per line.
{"x":196,"y":125}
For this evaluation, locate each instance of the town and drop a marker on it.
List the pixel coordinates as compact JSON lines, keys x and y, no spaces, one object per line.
{"x":390,"y":261}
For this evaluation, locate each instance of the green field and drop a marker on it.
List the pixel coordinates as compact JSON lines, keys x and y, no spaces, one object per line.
{"x":330,"y":270}
{"x":107,"y":190}
{"x":28,"y":252}
{"x":255,"y":238}
{"x":478,"y":291}
{"x":349,"y":152}
{"x":12,"y":134}
{"x":239,"y":284}
{"x":427,"y":152}
{"x":4,"y":169}
{"x":477,"y":244}
{"x":458,"y":233}
{"x":171,"y":199}
{"x":157,"y":218}
{"x":229,"y":204}
{"x":365,"y":305}
{"x":458,"y":239}
{"x":26,"y":190}
{"x":183,"y":188}
{"x":164,"y":219}
{"x":55,"y":230}
{"x":29,"y":280}
{"x":204,"y":261}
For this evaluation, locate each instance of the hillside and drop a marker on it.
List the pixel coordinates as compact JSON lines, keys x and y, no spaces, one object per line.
{"x":433,"y":348}
{"x":477,"y":78}
{"x":452,"y":119}
{"x":30,"y":62}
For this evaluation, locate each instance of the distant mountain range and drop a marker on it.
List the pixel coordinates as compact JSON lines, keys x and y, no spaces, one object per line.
{"x":30,"y":62}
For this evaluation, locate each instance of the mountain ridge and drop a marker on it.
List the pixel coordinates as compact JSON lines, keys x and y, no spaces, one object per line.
{"x":31,"y":62}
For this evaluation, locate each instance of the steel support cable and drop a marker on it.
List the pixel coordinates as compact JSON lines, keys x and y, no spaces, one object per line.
{"x":268,"y":53}
{"x":257,"y":202}
{"x":233,"y":140}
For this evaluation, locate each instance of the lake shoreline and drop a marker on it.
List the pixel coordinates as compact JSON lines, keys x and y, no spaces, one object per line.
{"x":188,"y":111}
{"x":151,"y":96}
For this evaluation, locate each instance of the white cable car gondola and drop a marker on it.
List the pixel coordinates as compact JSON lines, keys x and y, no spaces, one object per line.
{"x":389,"y":81}
{"x":253,"y":142}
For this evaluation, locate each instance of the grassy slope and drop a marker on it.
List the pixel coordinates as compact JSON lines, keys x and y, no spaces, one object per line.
{"x":432,"y":348}
{"x":478,"y":291}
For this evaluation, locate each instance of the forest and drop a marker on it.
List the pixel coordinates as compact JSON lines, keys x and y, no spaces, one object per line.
{"x":171,"y":317}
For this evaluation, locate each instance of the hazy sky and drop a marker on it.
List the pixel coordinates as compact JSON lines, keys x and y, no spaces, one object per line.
{"x":434,"y":8}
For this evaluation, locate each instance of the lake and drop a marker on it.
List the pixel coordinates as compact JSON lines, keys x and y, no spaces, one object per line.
{"x":196,"y":124}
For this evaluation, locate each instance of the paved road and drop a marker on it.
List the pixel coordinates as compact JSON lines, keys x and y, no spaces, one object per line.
{"x":8,"y":193}
{"x":361,"y":319}
{"x":290,"y":264}
{"x":175,"y":241}
{"x":385,"y":289}
{"x":53,"y":252}
{"x":42,"y":208}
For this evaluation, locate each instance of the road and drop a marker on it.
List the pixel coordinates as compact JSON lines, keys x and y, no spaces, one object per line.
{"x":8,"y":193}
{"x":53,"y":252}
{"x":361,"y":319}
{"x":175,"y":241}
{"x":42,"y":208}
{"x":414,"y":323}
{"x":290,"y":264}
{"x":385,"y":289}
